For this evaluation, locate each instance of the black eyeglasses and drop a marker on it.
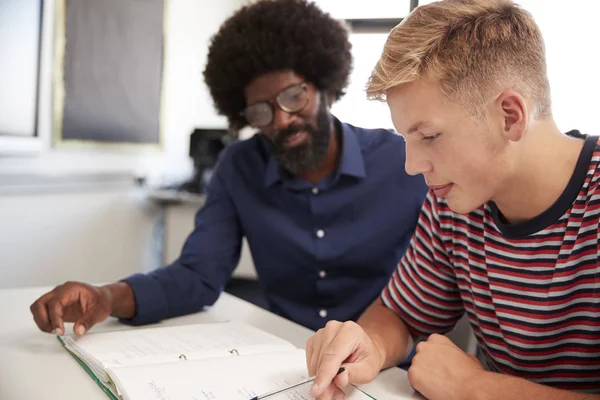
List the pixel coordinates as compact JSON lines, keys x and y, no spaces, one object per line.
{"x":291,"y":100}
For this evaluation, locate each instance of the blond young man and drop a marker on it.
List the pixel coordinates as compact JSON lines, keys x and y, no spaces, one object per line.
{"x":508,"y":232}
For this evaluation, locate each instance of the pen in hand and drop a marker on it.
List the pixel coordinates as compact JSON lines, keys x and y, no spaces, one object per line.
{"x":273,"y":393}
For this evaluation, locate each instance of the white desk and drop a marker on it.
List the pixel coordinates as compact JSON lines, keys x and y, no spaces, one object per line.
{"x":33,"y":365}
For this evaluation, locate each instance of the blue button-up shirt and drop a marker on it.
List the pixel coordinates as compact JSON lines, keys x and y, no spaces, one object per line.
{"x":321,"y":251}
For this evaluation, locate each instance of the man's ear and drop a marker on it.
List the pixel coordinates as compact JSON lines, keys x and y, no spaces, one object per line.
{"x":512,"y":109}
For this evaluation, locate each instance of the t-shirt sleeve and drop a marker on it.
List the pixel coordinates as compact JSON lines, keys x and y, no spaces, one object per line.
{"x":423,"y":290}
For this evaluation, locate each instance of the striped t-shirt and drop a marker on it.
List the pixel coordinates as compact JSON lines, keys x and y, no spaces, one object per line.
{"x":531,"y":290}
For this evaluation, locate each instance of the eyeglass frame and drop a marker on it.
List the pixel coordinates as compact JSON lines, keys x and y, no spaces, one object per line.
{"x":275,"y":103}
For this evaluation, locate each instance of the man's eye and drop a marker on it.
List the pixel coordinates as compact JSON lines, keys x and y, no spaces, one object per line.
{"x":431,"y":137}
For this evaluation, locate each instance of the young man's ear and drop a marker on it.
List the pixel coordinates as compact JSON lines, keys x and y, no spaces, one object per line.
{"x":514,"y":113}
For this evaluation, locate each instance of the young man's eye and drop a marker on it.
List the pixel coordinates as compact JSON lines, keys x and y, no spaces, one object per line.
{"x":430,"y":137}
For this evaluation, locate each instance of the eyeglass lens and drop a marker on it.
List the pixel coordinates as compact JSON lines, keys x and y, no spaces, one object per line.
{"x":291,"y":100}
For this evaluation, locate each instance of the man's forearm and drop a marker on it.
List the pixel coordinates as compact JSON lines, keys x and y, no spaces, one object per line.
{"x":389,"y":333}
{"x":493,"y":386}
{"x":122,"y":299}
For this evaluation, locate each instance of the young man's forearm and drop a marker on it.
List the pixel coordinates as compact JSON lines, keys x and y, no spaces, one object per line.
{"x":494,"y":386}
{"x":388,"y":332}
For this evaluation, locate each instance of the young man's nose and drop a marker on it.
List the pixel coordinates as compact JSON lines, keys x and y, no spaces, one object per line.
{"x":416,"y":163}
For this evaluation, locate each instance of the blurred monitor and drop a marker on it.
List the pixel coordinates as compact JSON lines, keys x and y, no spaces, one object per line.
{"x":205,"y":146}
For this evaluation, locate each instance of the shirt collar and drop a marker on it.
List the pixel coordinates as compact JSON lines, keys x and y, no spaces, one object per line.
{"x":351,"y":161}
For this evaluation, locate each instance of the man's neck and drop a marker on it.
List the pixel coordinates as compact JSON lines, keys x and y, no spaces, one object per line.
{"x":329,"y":163}
{"x":546,"y":163}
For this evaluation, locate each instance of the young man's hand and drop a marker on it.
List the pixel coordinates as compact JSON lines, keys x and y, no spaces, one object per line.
{"x":441,"y":370}
{"x":341,"y":344}
{"x":77,"y":302}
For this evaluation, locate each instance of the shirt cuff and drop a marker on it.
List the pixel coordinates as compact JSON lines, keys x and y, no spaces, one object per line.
{"x":150,"y":300}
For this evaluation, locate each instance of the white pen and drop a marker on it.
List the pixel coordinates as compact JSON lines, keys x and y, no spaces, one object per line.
{"x":274,"y":392}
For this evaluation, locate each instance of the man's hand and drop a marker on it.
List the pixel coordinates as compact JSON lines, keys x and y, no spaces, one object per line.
{"x":440,"y":370}
{"x":341,"y":344}
{"x":84,"y":304}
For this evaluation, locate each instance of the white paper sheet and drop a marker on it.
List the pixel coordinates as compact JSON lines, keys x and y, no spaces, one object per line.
{"x":232,"y":378}
{"x":173,"y":343}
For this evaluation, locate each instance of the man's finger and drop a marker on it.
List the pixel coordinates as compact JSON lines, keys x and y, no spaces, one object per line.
{"x":338,"y":394}
{"x":309,"y":353}
{"x":328,"y":335}
{"x":40,"y":312}
{"x":332,"y":358}
{"x":343,"y":379}
{"x":328,"y":393}
{"x":55,"y":314}
{"x":322,"y":340}
{"x":56,"y":307}
{"x":87,"y":320}
{"x":439,"y":339}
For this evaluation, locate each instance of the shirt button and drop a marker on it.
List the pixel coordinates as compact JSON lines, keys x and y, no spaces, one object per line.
{"x":315,"y":190}
{"x":322,"y":274}
{"x":323,"y":313}
{"x":320,"y":233}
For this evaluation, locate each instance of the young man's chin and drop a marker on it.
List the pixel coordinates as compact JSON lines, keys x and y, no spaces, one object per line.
{"x":461,"y":204}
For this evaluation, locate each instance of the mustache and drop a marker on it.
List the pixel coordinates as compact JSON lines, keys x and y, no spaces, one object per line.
{"x":293,"y":129}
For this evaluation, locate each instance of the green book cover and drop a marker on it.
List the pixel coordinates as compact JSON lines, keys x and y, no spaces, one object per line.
{"x":91,"y":373}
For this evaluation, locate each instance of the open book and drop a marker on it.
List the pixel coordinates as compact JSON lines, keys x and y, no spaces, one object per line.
{"x":211,"y":361}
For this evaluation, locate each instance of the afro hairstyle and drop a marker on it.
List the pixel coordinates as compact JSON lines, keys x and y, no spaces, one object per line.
{"x":276,"y":35}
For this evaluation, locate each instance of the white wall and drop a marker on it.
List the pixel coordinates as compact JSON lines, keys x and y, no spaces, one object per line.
{"x":360,"y":9}
{"x":99,"y":234}
{"x":570,"y":29}
{"x":354,"y":108}
{"x":96,"y":236}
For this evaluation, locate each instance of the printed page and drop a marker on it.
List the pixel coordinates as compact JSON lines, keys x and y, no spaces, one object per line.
{"x":174,"y":343}
{"x":233,"y":378}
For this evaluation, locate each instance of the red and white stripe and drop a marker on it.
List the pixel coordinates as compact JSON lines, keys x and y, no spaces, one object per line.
{"x":533,"y":302}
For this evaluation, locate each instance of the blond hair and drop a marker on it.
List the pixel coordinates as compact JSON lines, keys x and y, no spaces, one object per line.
{"x":470,"y":49}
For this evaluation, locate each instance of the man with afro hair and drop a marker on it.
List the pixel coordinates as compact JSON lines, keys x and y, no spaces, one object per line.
{"x":326,"y":207}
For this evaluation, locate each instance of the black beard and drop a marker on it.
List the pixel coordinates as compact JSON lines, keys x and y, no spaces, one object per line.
{"x":307,"y":156}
